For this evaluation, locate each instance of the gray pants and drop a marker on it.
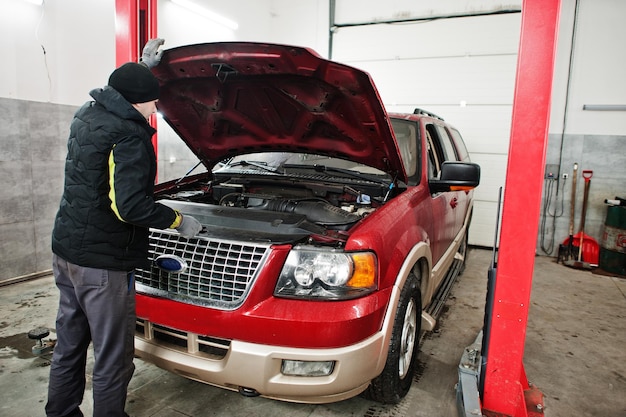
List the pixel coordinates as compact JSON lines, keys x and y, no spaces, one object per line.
{"x":98,"y":306}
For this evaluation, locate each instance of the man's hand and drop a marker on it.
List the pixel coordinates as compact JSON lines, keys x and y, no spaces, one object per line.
{"x":189,"y":227}
{"x":151,"y":55}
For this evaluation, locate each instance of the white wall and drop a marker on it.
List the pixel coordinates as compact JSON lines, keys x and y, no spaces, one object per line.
{"x":179,"y":26}
{"x":598,"y":70}
{"x":79,"y":41}
{"x":303,"y":22}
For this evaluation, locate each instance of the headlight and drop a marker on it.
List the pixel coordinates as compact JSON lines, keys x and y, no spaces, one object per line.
{"x":327,"y":274}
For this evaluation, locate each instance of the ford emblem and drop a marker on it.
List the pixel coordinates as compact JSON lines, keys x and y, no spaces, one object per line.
{"x":171,"y":264}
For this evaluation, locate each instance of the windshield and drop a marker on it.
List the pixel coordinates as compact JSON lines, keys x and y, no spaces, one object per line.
{"x":406,"y":137}
{"x":284,"y":162}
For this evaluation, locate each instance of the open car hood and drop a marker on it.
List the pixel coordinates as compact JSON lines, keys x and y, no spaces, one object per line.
{"x":232,"y":98}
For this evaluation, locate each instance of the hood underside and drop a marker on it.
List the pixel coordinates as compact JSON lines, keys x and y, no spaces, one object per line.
{"x":232,"y":98}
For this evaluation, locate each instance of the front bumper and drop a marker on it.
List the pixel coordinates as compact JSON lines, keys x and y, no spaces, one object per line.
{"x":256,"y":368}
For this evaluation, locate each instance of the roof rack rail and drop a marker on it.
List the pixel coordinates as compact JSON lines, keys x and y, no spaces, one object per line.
{"x":426,"y":113}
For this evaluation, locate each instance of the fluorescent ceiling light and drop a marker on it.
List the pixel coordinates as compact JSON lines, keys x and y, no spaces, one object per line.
{"x":203,"y":11}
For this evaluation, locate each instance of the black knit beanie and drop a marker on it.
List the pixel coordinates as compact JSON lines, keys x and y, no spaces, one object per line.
{"x":135,"y":82}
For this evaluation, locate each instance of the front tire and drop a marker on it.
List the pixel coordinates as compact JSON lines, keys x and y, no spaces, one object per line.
{"x":397,"y":376}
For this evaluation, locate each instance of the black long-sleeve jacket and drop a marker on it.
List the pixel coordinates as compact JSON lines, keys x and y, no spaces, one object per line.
{"x":107,"y":204}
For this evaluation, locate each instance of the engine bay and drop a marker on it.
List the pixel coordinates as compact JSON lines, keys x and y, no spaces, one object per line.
{"x":251,"y":203}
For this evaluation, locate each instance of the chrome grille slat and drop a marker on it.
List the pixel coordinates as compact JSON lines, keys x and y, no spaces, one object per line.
{"x":220,"y":273}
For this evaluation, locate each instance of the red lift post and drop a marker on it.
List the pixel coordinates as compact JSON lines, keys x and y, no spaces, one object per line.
{"x":506,"y":388}
{"x":135,"y":24}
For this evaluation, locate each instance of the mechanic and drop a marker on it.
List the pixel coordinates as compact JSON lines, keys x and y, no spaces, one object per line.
{"x":101,"y":235}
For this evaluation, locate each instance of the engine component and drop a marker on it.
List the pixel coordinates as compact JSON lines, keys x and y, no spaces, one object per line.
{"x":316,"y":211}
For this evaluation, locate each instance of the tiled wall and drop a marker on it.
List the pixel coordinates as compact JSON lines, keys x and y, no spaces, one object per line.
{"x":605,"y":155}
{"x":33,"y":147}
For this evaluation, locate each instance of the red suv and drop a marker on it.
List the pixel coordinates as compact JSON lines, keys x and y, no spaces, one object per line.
{"x":329,"y":225}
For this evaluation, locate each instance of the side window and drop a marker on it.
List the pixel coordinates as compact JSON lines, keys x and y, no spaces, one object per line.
{"x":433,"y":159}
{"x":460,"y":145}
{"x":436,"y":154}
{"x":449,"y":149}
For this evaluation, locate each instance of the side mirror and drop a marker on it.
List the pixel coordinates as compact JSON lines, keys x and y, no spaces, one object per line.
{"x":456,"y":176}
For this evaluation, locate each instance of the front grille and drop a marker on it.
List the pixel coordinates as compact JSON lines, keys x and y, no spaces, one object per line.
{"x":219,"y":273}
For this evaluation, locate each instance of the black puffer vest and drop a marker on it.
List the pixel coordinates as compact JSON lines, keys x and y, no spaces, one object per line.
{"x":87,"y":232}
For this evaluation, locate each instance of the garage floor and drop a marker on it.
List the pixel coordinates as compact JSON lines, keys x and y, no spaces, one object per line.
{"x":575,"y":354}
